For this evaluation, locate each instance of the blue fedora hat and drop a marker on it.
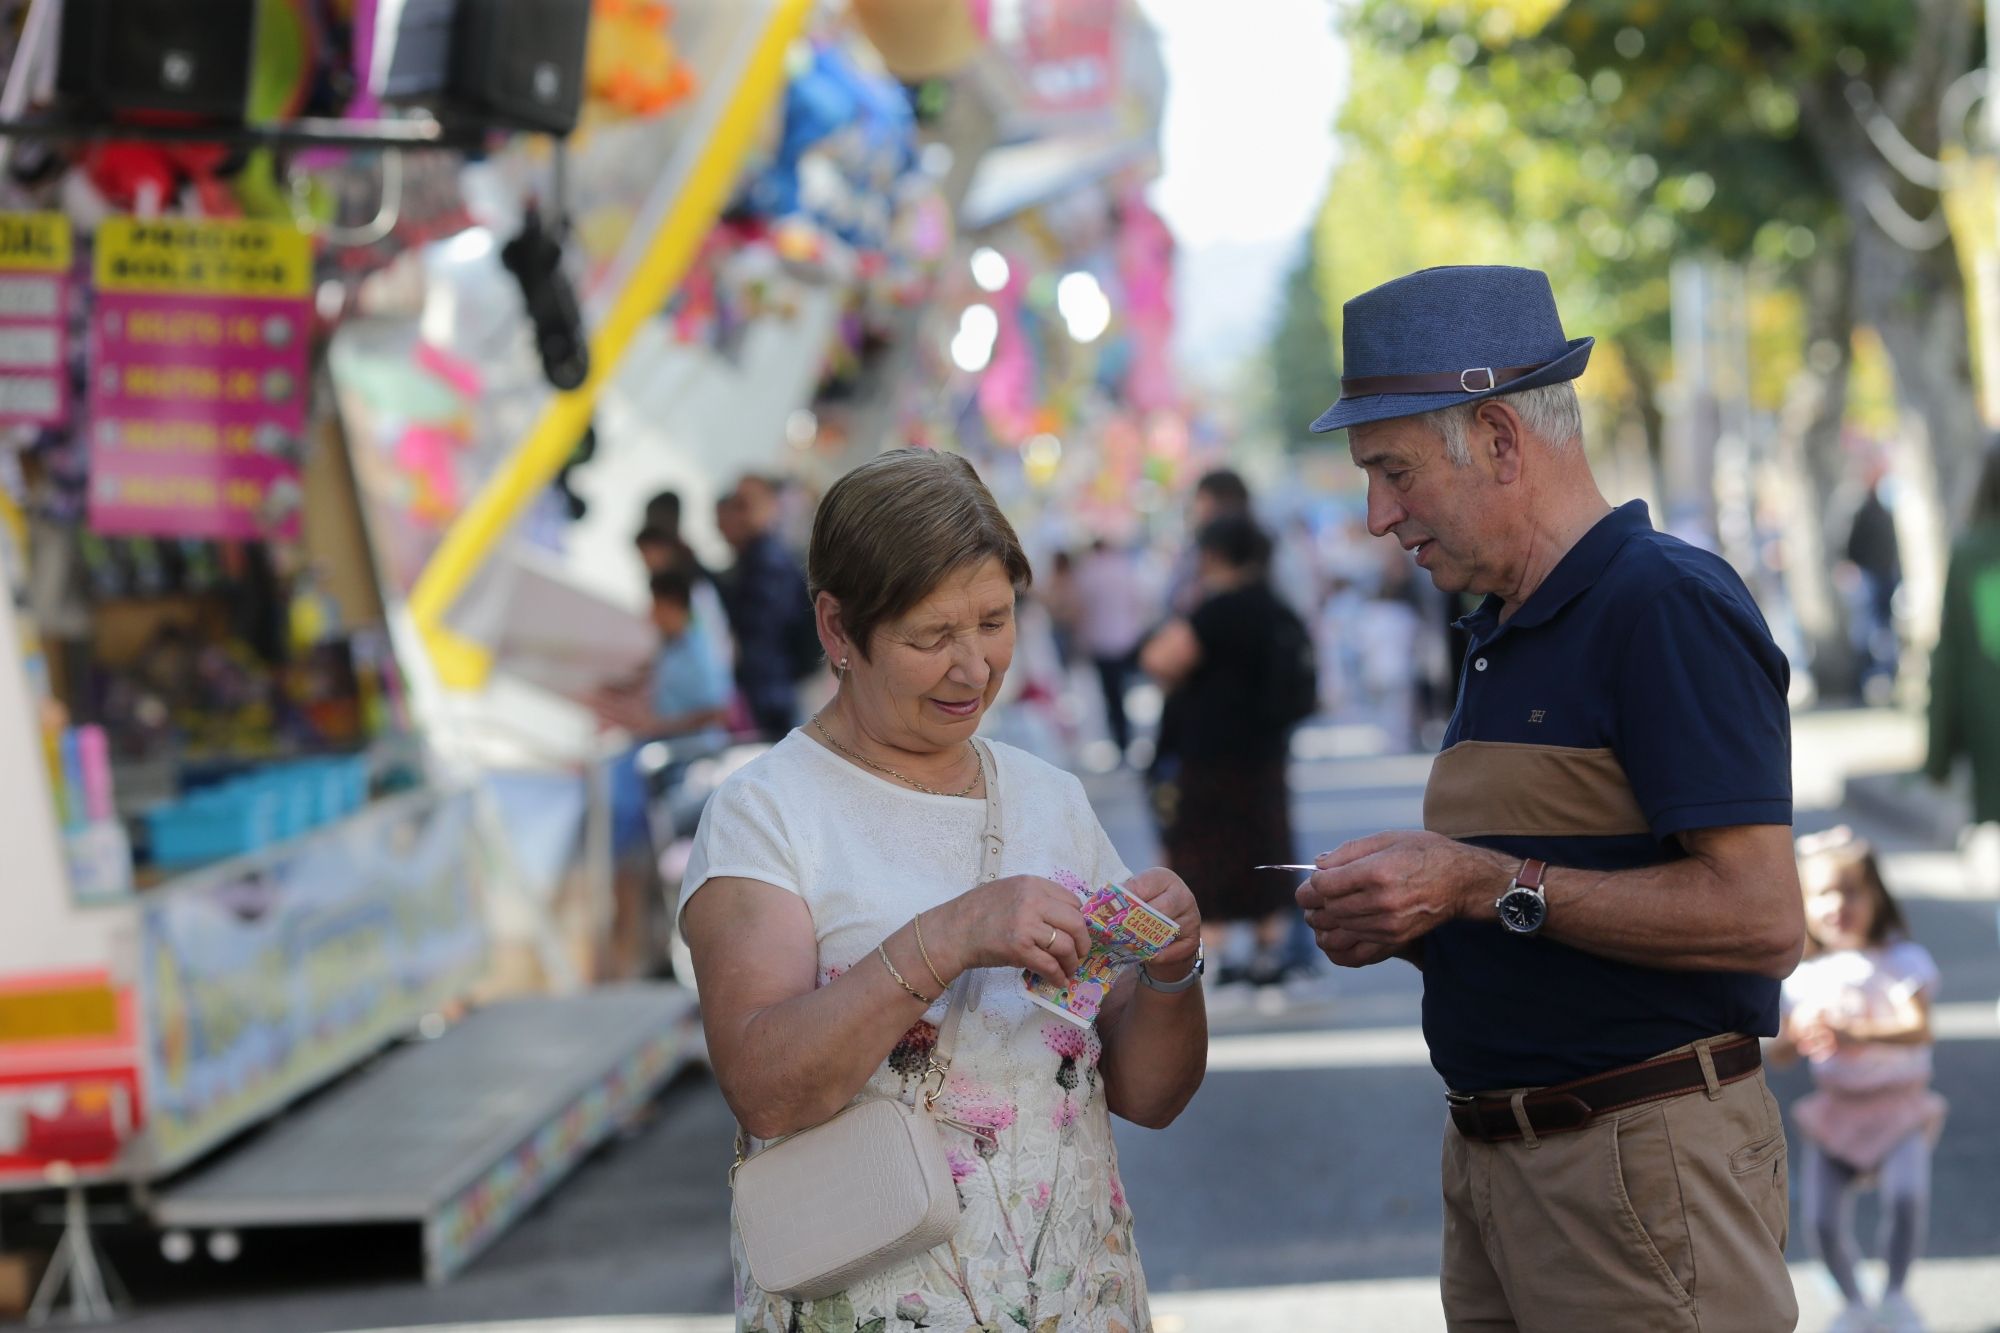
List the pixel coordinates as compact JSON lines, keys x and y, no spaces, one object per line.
{"x":1449,"y":335}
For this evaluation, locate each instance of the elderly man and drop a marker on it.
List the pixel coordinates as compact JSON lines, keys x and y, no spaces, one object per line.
{"x":1604,"y":898}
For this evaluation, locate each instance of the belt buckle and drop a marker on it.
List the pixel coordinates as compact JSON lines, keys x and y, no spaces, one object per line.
{"x":1460,"y":1098}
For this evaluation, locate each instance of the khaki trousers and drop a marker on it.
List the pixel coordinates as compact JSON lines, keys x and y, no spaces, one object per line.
{"x":1669,"y":1216}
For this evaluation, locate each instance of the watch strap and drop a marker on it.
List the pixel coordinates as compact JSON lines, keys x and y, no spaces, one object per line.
{"x":1531,"y":874}
{"x":1147,"y":980}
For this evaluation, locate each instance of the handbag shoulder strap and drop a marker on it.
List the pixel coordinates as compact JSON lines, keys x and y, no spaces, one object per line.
{"x":991,"y":841}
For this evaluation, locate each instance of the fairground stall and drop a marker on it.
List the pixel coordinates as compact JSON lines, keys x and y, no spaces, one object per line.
{"x":335,"y":369}
{"x":245,"y":865}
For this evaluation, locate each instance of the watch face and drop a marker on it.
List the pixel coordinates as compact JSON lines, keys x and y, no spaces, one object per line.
{"x":1522,"y":910}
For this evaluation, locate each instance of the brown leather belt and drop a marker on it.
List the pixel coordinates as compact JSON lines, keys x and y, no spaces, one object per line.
{"x":1490,"y":1118}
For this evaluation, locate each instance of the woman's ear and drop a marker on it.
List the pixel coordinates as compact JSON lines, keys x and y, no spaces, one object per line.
{"x":832,"y":634}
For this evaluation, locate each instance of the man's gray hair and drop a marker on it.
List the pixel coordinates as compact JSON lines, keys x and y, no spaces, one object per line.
{"x":1551,"y":413}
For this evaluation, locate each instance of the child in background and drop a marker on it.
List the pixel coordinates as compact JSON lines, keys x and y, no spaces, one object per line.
{"x":1858,"y":1009}
{"x":686,"y":694}
{"x":684,"y":699}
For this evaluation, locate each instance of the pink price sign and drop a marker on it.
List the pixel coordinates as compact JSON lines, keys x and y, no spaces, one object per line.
{"x":182,"y":478}
{"x":199,"y":362}
{"x":35,"y":253}
{"x":229,"y":358}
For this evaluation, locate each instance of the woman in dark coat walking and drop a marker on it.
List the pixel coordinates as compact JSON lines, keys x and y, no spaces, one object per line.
{"x":1965,"y":668}
{"x":1230,"y":668}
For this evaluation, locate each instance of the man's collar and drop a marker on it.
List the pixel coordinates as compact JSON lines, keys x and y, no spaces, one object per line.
{"x":1574,"y":573}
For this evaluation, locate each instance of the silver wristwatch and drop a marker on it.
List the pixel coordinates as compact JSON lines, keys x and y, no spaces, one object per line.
{"x":1174,"y":987}
{"x":1525,"y":905}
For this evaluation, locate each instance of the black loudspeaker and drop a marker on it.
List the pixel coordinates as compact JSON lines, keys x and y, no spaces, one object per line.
{"x":178,"y":57}
{"x":518,"y":64}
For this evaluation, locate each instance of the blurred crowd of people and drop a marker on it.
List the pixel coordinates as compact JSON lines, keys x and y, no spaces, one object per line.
{"x":1384,"y":647}
{"x":737,"y":649}
{"x":1192,"y":666}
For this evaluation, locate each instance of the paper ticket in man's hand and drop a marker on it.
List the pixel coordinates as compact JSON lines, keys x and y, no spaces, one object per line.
{"x":1123,"y":931}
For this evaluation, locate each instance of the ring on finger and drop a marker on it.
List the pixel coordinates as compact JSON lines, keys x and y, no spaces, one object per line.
{"x":1053,"y":932}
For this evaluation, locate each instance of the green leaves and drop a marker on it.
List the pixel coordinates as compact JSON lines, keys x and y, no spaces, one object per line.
{"x":1473,"y":140}
{"x":833,"y":1314}
{"x":1304,"y":359}
{"x":1598,"y":140}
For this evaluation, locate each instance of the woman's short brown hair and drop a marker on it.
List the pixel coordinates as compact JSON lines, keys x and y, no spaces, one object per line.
{"x":889,"y":532}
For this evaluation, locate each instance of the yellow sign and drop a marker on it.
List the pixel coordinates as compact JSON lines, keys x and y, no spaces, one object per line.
{"x":1972,"y":207}
{"x":201,"y":258}
{"x":37,"y":242}
{"x":65,"y":1013}
{"x":463,"y":663}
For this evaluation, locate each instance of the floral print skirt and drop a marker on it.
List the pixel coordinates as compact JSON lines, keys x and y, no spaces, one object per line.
{"x":1045,"y":1242}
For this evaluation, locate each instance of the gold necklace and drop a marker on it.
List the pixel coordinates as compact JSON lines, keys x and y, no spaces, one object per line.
{"x":883,"y":768}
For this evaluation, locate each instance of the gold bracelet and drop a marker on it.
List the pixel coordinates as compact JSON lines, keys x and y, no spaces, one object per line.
{"x":914,"y":992}
{"x":942,"y":988}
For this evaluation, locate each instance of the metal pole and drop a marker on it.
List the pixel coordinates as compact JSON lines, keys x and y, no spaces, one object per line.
{"x":1992,"y":73}
{"x":74,"y":1264}
{"x":28,"y":59}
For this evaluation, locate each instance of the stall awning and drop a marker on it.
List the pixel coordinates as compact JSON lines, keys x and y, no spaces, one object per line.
{"x":693,"y":192}
{"x":1018,"y":177}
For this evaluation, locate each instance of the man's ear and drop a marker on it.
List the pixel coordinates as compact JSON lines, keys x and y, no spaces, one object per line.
{"x":1502,"y":440}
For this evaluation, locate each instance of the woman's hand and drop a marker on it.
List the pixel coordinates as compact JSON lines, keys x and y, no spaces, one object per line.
{"x":1156,"y":1049}
{"x":1167,"y":893}
{"x":1022,"y":921}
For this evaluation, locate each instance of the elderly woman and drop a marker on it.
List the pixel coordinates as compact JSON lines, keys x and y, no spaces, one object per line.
{"x":835,"y":895}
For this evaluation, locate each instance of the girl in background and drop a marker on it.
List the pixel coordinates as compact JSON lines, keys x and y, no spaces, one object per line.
{"x":1858,"y":1009}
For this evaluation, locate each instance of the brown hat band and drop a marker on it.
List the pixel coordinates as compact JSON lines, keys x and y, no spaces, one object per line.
{"x":1478,"y":379}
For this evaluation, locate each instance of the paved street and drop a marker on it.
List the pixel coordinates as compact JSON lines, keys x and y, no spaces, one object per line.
{"x":1298,"y":1192}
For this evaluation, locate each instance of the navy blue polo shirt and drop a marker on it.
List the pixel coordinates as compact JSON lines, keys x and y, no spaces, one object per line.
{"x":1634,"y":696}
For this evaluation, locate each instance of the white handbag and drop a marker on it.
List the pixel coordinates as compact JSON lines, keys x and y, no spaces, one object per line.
{"x":821,"y":1209}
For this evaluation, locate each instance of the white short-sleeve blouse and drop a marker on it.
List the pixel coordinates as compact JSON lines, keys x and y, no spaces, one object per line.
{"x":1046,"y":1237}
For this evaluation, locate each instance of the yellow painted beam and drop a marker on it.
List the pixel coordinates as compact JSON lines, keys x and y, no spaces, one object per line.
{"x":460,"y":663}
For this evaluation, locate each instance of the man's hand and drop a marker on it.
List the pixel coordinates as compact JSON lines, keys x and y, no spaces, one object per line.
{"x":1375,"y":896}
{"x":1347,"y":949}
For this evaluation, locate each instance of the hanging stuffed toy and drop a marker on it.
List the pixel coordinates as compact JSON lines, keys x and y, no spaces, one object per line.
{"x":634,"y":66}
{"x":144,"y":177}
{"x":819,"y":101}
